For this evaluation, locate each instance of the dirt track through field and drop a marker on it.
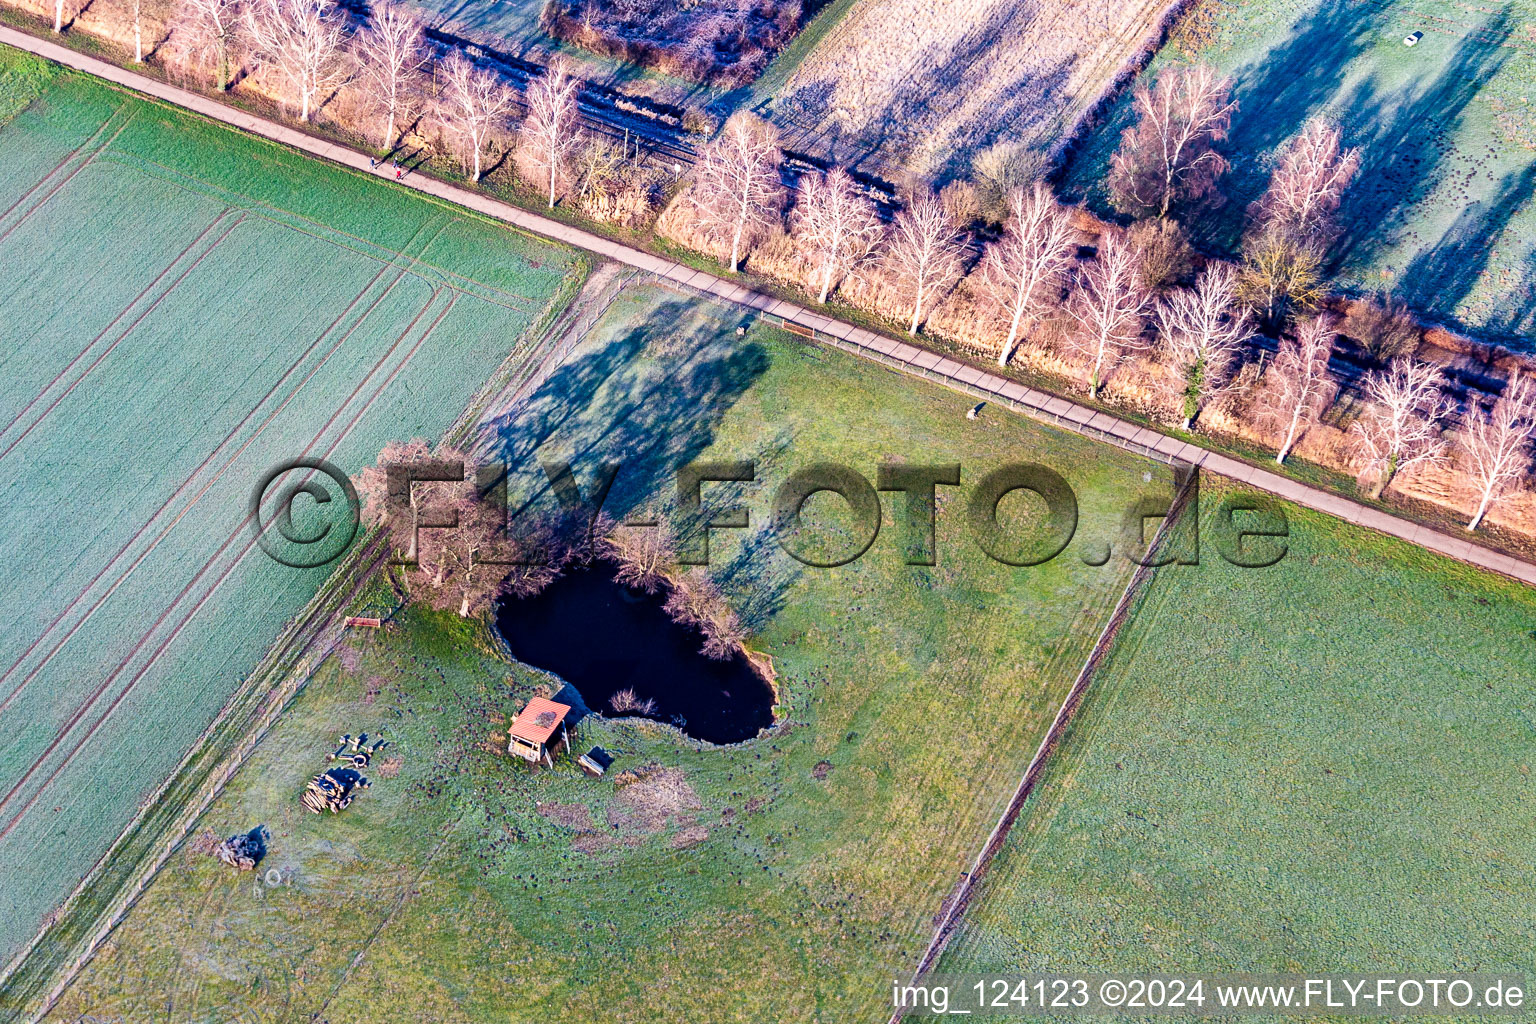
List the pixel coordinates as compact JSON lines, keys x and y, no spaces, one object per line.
{"x":84,"y":708}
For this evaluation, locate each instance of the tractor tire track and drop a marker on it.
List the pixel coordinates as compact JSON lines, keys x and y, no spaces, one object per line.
{"x":67,"y":178}
{"x":80,"y":712}
{"x":127,"y":545}
{"x":58,"y":166}
{"x":169,"y":267}
{"x":108,"y":350}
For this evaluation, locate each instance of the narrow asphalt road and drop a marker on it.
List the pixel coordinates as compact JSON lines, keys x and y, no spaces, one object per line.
{"x":907,"y":358}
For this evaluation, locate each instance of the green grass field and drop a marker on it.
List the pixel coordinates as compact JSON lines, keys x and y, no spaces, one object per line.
{"x":1441,"y":210}
{"x":778,"y":879}
{"x":1324,"y":765}
{"x":184,"y":307}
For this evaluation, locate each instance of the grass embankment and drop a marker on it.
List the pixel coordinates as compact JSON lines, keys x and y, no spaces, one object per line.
{"x":1317,"y":766}
{"x":187,"y":307}
{"x":778,"y":879}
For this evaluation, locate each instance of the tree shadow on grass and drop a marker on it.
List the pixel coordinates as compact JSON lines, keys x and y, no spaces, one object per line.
{"x":649,"y":400}
{"x":1445,"y":274}
{"x":930,"y":101}
{"x":1405,"y":142}
{"x":1275,"y":96}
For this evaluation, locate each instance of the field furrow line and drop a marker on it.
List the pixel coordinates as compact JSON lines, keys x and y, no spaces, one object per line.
{"x":72,"y":154}
{"x":90,"y":701}
{"x":68,"y":177}
{"x":324,"y":232}
{"x":959,"y":901}
{"x":109,"y":349}
{"x":119,"y":318}
{"x":9,"y":672}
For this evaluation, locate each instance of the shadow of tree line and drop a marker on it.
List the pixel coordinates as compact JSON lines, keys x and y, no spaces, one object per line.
{"x":927,"y":102}
{"x":650,"y":400}
{"x":1407,"y":142}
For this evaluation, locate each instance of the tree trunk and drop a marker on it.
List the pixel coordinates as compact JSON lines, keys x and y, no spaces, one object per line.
{"x":736,"y":247}
{"x":917,"y":308}
{"x":826,"y":283}
{"x":1290,"y":437}
{"x":1013,"y":337}
{"x":138,"y":39}
{"x":58,"y":16}
{"x":1482,"y":508}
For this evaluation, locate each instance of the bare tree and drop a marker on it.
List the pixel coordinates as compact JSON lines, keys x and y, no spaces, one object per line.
{"x":1108,"y":305}
{"x":1496,"y":445}
{"x":1168,"y":157}
{"x":1401,"y":429}
{"x":696,"y":600}
{"x":925,"y":252}
{"x":1202,"y":334}
{"x":1298,"y":386}
{"x":736,"y":190}
{"x":1305,"y":191}
{"x":1022,"y":270}
{"x":1280,"y":275}
{"x":392,"y":52}
{"x":645,"y":556}
{"x":552,"y":132}
{"x":835,"y":225}
{"x":458,"y":566}
{"x":474,"y":105}
{"x":301,"y":39}
{"x":206,"y":31}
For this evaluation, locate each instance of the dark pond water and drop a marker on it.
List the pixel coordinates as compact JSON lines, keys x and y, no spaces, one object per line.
{"x":602,"y":638}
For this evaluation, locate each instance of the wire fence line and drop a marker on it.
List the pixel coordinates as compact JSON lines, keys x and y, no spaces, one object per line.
{"x":955,"y":908}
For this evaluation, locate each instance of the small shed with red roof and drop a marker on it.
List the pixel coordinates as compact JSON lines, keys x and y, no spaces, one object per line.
{"x":539,"y":730}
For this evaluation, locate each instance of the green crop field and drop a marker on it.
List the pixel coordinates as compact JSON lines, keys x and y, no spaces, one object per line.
{"x":782,"y":878}
{"x":181,"y":308}
{"x":1318,"y":766}
{"x":1441,"y":211}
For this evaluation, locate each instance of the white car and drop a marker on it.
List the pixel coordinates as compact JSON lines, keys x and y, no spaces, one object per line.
{"x":1413,"y":39}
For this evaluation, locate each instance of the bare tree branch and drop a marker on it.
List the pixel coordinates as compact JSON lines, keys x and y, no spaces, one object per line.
{"x":1108,"y":305}
{"x":1022,"y":270}
{"x":1168,"y":157}
{"x":925,"y":252}
{"x":552,"y":132}
{"x":836,"y":225}
{"x":302,"y":40}
{"x":1401,"y":429}
{"x":392,"y":53}
{"x":736,"y":190}
{"x":1306,"y":188}
{"x":1202,"y":336}
{"x":206,"y":31}
{"x":1496,"y":446}
{"x":1298,"y":386}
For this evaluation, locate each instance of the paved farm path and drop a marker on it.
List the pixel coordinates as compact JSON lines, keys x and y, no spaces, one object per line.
{"x":900,"y":355}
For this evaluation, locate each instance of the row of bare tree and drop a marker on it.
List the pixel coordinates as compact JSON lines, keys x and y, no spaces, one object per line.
{"x":1097,"y":312}
{"x":313,"y":47}
{"x":1130,"y":299}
